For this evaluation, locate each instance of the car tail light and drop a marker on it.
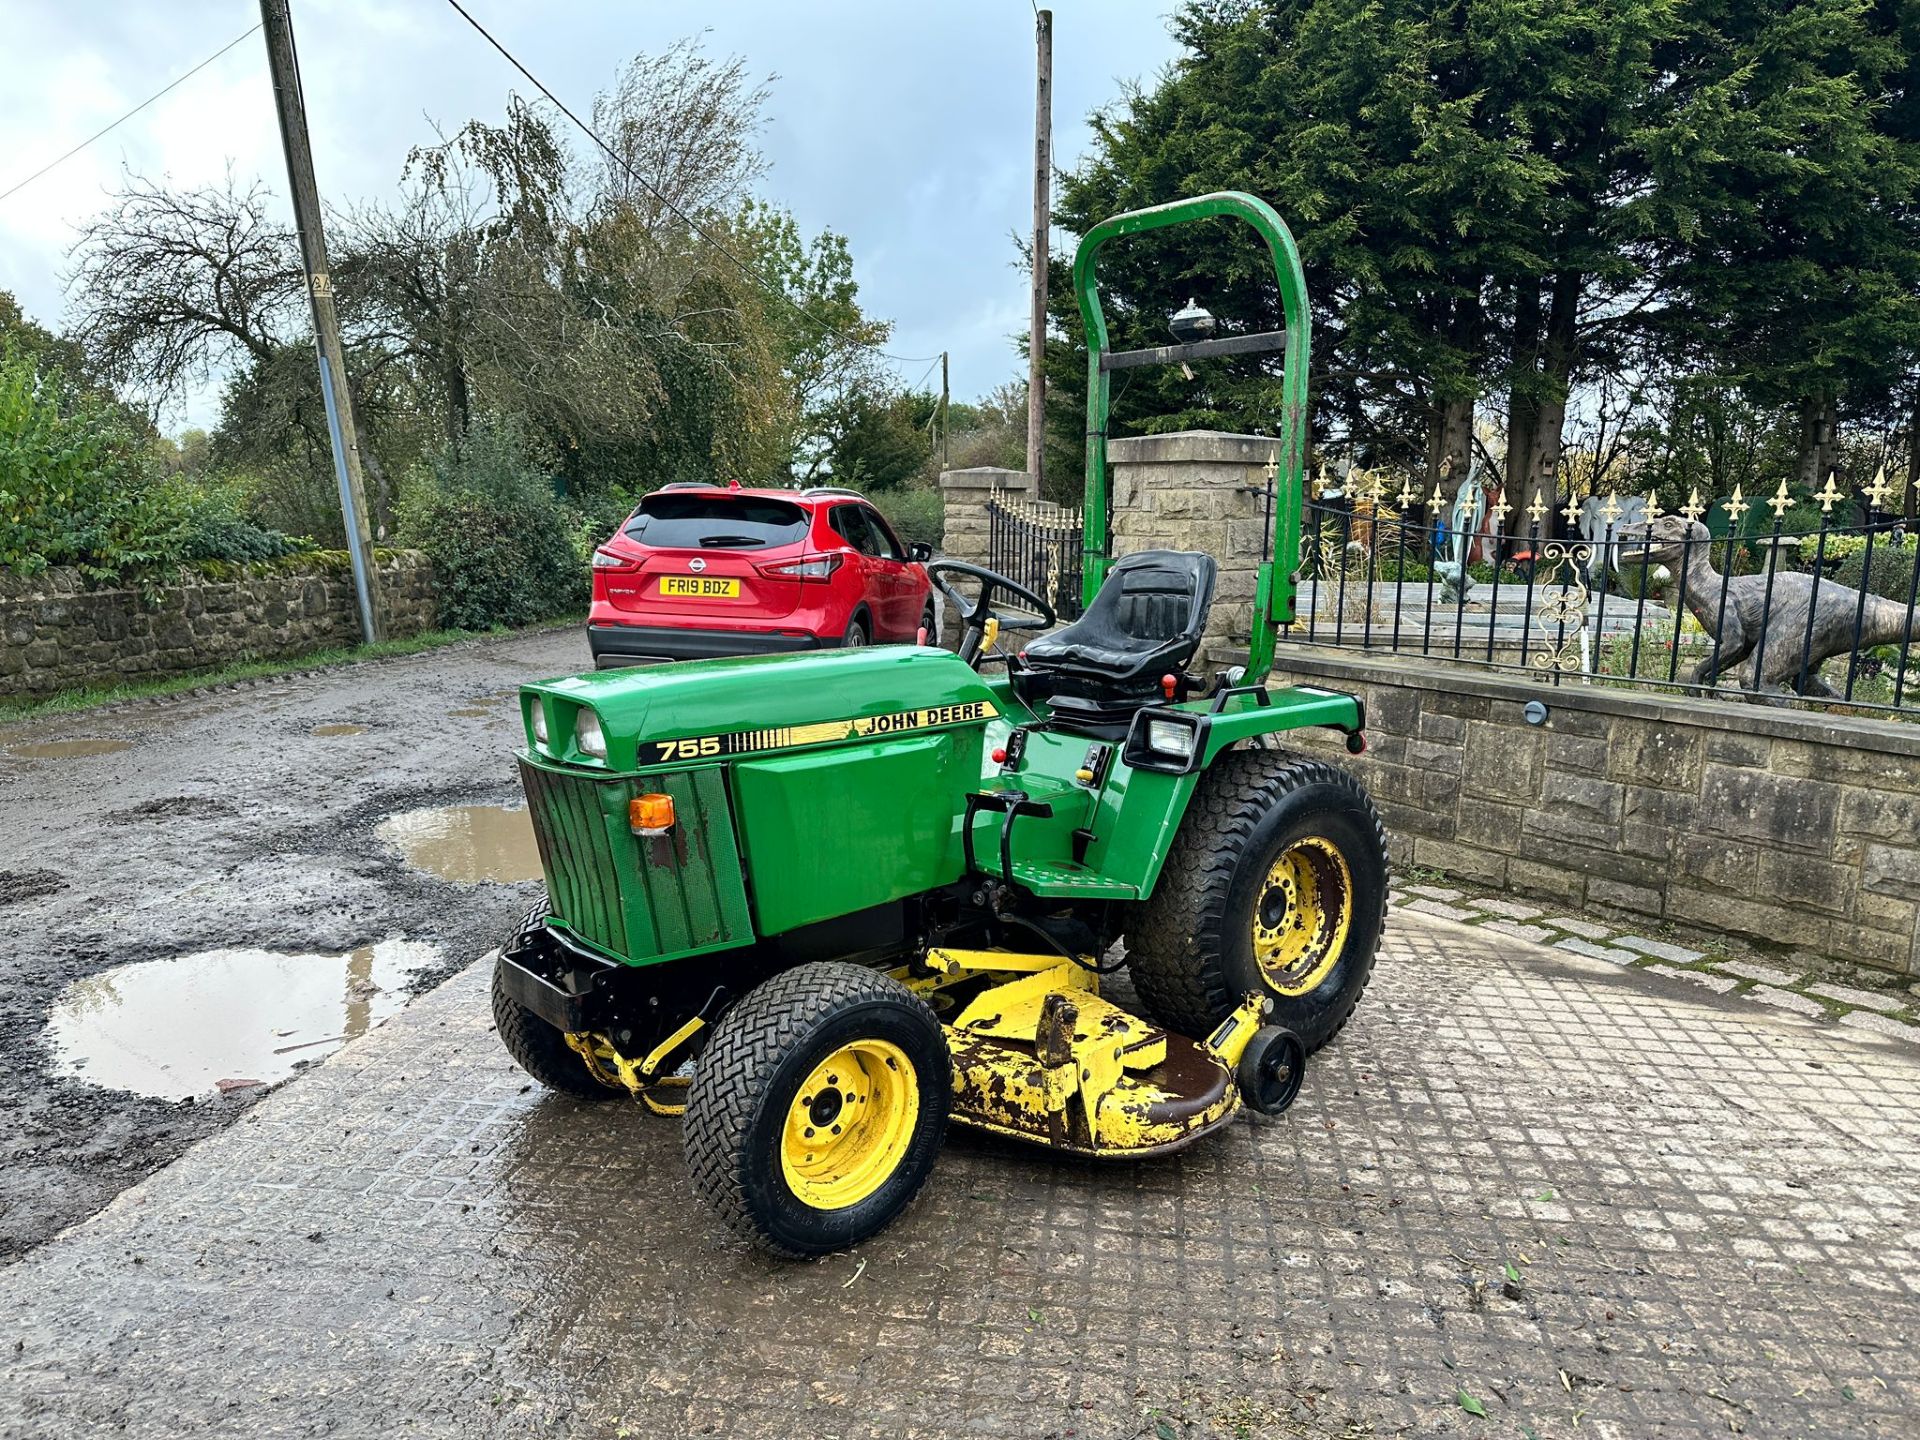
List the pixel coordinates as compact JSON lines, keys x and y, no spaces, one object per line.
{"x":607,"y":560}
{"x":808,"y":567}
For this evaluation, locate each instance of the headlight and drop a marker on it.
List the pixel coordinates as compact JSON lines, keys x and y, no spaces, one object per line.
{"x":1170,"y":737}
{"x":539,"y":722}
{"x":588,"y":735}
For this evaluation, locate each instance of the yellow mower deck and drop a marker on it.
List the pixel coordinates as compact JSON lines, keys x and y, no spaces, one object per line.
{"x":1045,"y":1058}
{"x":1041,"y":1057}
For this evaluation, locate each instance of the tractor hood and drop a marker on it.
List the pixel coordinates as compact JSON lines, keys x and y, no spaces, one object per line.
{"x":705,"y":710}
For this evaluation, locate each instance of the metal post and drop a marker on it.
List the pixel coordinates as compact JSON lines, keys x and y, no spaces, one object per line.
{"x":946,"y":419}
{"x":284,"y":64}
{"x":1042,"y":248}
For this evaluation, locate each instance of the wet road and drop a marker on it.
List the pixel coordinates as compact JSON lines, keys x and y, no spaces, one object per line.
{"x":247,"y":820}
{"x":1708,"y":1210}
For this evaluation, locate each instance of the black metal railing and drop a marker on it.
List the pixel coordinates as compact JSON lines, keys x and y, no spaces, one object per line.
{"x":1773,"y":599}
{"x":1037,"y":544}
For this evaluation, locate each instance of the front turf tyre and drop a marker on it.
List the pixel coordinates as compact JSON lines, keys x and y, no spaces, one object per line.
{"x":1277,"y":881}
{"x":818,"y":1108}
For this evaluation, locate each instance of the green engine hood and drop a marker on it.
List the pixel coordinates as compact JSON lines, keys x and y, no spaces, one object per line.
{"x":710,"y":709}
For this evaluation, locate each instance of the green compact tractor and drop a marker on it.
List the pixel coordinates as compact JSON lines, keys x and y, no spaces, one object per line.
{"x":822,"y":904}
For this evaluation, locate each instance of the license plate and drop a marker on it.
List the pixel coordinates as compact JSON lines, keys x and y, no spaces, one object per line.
{"x":699,"y":587}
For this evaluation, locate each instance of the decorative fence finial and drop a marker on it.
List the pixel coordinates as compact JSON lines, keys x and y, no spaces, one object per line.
{"x":1737,"y":506}
{"x":1694,"y":509}
{"x":1538,"y":509}
{"x":1879,"y":492}
{"x":1611,"y":511}
{"x":1571,"y":511}
{"x":1781,"y":502}
{"x":1652,"y":502}
{"x":1827,"y":496}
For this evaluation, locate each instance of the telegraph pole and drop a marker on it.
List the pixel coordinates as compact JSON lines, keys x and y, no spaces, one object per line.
{"x":946,"y":423}
{"x":284,"y":65}
{"x":1042,"y":249}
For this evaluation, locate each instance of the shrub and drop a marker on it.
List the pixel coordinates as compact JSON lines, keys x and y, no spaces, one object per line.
{"x":503,"y":546}
{"x":1892,"y":568}
{"x":219,"y":525}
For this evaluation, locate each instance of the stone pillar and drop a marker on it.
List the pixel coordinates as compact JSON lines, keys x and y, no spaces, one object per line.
{"x":1197,"y":490}
{"x":963,"y":500}
{"x":963,"y":536}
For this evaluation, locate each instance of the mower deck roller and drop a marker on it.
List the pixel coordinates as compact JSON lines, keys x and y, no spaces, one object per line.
{"x":820,"y":905}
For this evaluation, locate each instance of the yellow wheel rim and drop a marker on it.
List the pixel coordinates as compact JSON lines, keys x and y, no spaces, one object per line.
{"x":1301,"y":916}
{"x":850,"y":1124}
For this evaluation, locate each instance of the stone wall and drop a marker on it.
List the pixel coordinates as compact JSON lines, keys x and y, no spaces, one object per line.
{"x":55,"y":633}
{"x":1784,"y":827}
{"x":1197,"y":490}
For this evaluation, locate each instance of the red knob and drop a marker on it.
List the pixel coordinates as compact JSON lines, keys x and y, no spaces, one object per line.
{"x":1169,"y":684}
{"x":999,"y":756}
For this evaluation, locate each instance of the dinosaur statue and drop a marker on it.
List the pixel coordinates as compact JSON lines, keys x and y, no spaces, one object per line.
{"x":1684,"y":547}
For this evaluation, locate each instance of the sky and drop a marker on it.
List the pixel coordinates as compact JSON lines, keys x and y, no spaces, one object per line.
{"x":908,"y":127}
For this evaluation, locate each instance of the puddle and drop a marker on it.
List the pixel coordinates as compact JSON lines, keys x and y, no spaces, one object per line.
{"x":466,"y":843}
{"x":327,"y":731}
{"x":68,"y":749}
{"x":471,"y":711}
{"x":179,"y":1027}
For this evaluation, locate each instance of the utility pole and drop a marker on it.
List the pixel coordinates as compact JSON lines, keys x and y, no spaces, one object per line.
{"x":1042,"y":248}
{"x":284,"y":65}
{"x":946,"y":422}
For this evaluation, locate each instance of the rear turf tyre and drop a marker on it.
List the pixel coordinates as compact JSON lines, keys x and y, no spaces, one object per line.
{"x":818,"y":1108}
{"x":536,"y":1046}
{"x":856,"y":635}
{"x":1277,"y":881}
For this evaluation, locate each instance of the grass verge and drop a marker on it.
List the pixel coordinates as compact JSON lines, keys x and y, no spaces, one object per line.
{"x":88,"y":697}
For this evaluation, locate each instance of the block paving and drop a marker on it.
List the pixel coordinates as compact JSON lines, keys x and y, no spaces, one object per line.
{"x":1787,"y":984}
{"x":1590,"y":1201}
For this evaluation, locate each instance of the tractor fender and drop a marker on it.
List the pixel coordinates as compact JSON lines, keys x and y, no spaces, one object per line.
{"x":1156,"y":800}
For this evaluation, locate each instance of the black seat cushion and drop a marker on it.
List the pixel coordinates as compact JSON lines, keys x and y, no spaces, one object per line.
{"x":1145,"y":622}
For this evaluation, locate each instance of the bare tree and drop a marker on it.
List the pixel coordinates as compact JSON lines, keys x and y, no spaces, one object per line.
{"x":169,"y":285}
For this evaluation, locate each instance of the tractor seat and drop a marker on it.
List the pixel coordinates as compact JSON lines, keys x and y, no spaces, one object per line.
{"x":1145,"y":622}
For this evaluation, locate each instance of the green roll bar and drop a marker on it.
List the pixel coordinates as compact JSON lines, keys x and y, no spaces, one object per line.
{"x":1274,"y":597}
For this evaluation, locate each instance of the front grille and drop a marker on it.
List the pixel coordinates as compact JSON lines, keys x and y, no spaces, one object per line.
{"x":570,"y":814}
{"x":637,"y":899}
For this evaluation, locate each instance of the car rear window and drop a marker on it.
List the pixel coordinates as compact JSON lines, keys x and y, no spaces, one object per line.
{"x":684,"y":520}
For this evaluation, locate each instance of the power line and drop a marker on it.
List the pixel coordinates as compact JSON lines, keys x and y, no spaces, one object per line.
{"x":51,"y":164}
{"x":748,"y":270}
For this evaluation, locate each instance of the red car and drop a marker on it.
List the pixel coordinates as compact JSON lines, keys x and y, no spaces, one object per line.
{"x":704,"y":570}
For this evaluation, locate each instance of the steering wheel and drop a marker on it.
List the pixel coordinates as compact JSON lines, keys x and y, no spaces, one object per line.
{"x":1031,"y":612}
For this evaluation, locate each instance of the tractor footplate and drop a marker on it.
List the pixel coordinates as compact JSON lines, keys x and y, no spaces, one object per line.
{"x":1045,"y":1058}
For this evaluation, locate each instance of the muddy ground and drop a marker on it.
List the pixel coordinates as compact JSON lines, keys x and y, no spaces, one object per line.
{"x":227,"y":821}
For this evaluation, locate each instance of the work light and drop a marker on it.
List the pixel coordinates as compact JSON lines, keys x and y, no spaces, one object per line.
{"x":1170,"y":737}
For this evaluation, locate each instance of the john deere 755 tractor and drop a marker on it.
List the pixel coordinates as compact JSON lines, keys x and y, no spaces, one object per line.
{"x":822,"y":904}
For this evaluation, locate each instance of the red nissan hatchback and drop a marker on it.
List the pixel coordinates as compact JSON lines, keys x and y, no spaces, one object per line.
{"x":699,"y":571}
